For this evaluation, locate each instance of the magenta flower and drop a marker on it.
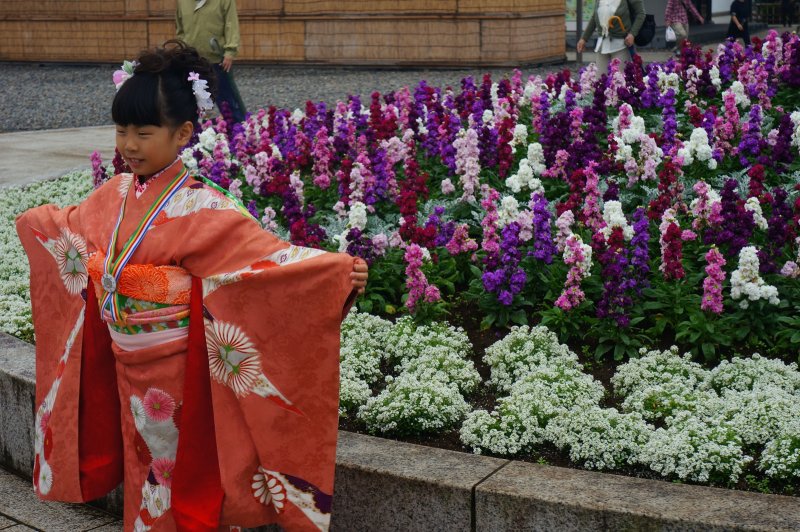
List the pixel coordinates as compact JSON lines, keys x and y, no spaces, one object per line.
{"x":712,"y":285}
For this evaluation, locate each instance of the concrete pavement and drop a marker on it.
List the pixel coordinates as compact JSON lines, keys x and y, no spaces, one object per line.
{"x":20,"y":511}
{"x":27,"y":156}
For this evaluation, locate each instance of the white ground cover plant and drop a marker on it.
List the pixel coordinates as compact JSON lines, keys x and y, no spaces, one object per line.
{"x":661,"y":383}
{"x":409,"y":406}
{"x":522,"y":350}
{"x":543,"y":379}
{"x":599,"y":438}
{"x":781,"y":456}
{"x":15,"y":303}
{"x":433,"y":374}
{"x":693,"y":449}
{"x":747,"y":373}
{"x":363,"y":343}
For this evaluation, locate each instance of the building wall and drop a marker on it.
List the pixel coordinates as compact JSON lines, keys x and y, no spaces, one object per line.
{"x":369,"y":32}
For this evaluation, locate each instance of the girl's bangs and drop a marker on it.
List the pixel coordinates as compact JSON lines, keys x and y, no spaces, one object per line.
{"x":136,"y":102}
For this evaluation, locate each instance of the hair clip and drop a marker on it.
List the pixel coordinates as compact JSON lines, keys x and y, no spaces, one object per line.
{"x":201,"y":94}
{"x":122,"y":75}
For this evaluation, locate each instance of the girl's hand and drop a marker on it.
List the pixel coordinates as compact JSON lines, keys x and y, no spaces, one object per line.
{"x":629,"y":40}
{"x":359,"y":275}
{"x":580,"y":46}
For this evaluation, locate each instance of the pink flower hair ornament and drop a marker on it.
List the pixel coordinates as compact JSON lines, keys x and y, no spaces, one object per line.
{"x":122,"y":75}
{"x":201,"y":94}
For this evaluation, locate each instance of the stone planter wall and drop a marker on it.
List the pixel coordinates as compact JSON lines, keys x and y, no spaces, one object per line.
{"x":343,"y":32}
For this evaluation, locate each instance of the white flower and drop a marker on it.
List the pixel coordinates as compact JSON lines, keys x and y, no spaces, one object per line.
{"x":752,"y":204}
{"x":614,"y":217}
{"x":522,"y":350}
{"x":692,"y":449}
{"x":508,"y":211}
{"x":45,"y":481}
{"x":520,"y":134}
{"x":487,"y":117}
{"x":746,"y":281}
{"x":357,"y":216}
{"x":208,"y":139}
{"x":409,"y":405}
{"x":138,"y":413}
{"x":599,"y":438}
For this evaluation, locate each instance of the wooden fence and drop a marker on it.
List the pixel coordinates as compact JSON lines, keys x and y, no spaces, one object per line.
{"x":352,"y":32}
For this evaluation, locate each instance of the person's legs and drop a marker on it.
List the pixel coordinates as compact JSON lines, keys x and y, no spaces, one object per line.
{"x":603,"y":60}
{"x":229,"y":94}
{"x":681,"y":34}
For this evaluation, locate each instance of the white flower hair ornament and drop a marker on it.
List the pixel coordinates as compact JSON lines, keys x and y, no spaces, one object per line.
{"x":201,"y":94}
{"x":122,"y":75}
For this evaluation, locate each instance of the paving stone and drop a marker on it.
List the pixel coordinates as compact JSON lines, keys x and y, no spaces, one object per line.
{"x":116,"y":526}
{"x":533,"y":497}
{"x":18,"y":501}
{"x":17,"y":528}
{"x":387,"y":485}
{"x":5,"y":522}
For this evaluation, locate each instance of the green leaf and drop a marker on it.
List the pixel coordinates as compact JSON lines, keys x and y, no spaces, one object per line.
{"x":519,"y":317}
{"x":619,"y":352}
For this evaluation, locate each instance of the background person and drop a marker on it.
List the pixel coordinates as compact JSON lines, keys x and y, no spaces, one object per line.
{"x":212,"y":27}
{"x":676,"y":16}
{"x":740,"y":17}
{"x":615,"y":38}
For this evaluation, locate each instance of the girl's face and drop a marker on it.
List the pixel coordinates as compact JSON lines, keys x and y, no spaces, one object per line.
{"x":149,"y":149}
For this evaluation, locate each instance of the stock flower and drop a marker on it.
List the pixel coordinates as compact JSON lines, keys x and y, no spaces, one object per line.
{"x":671,"y":246}
{"x":578,"y":256}
{"x":747,"y":283}
{"x":712,"y":285}
{"x":416,"y":282}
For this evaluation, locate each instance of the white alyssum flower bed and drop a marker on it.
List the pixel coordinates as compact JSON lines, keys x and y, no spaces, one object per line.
{"x":15,"y":302}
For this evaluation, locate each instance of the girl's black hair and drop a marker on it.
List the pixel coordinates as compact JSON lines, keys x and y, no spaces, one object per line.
{"x":159,"y":92}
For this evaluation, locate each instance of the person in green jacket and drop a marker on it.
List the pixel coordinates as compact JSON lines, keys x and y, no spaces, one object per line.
{"x":618,"y":22}
{"x":212,"y":27}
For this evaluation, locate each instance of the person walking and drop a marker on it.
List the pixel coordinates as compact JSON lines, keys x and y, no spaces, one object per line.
{"x":676,"y":16}
{"x":212,"y":28}
{"x":618,"y":22}
{"x":740,"y":18}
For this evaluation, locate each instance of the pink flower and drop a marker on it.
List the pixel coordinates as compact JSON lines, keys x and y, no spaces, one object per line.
{"x":162,"y":470}
{"x":712,"y":285}
{"x":578,"y":256}
{"x":158,"y":405}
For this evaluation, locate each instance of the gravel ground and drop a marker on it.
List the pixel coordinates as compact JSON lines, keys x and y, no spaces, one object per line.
{"x":50,"y":95}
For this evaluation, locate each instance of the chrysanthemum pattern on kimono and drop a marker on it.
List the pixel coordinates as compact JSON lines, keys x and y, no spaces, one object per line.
{"x":155,"y":417}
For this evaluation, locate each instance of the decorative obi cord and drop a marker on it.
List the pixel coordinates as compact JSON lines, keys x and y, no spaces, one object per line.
{"x":154,"y":303}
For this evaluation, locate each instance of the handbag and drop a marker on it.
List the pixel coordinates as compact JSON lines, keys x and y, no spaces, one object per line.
{"x":646,"y":32}
{"x":670,"y":36}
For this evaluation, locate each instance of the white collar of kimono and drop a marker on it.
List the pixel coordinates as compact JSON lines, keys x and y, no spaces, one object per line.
{"x":605,"y":10}
{"x":199,"y":4}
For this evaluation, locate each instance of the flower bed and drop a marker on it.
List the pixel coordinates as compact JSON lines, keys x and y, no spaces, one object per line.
{"x":621,"y":212}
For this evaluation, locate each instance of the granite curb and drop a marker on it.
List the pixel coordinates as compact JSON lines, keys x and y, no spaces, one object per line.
{"x":388,"y":485}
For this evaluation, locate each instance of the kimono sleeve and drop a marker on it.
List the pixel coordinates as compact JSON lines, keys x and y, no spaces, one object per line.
{"x":272,"y":325}
{"x":57,"y":245}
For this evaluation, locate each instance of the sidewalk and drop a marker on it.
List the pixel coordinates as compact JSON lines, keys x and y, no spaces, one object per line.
{"x":34,"y":155}
{"x":20,"y":511}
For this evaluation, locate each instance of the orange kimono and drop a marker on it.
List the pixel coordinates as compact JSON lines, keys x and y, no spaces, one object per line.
{"x":215,"y":391}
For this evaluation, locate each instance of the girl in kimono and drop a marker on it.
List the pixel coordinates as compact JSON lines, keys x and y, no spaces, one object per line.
{"x":182,"y":349}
